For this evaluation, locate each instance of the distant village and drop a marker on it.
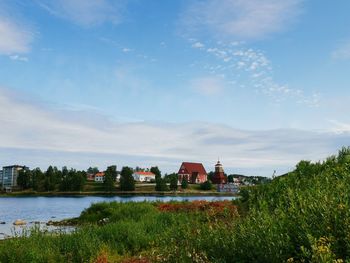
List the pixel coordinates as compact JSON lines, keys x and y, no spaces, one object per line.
{"x":189,"y":173}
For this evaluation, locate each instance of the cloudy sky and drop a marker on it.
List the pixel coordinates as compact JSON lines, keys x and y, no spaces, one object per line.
{"x":261,"y":84}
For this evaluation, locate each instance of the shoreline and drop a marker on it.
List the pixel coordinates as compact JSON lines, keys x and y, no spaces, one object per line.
{"x":117,"y":193}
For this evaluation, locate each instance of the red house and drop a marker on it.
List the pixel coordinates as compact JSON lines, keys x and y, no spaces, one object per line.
{"x":194,"y":173}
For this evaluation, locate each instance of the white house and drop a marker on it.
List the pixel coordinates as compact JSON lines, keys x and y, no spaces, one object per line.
{"x":143,"y":176}
{"x":100,"y":177}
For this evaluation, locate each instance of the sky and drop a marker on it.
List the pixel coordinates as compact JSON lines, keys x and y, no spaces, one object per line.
{"x":259,"y":84}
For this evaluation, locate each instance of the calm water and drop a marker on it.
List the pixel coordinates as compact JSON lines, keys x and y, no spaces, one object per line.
{"x":44,"y":209}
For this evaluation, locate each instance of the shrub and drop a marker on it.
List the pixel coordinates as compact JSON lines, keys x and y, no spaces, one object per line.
{"x":184,"y":184}
{"x":207,"y":185}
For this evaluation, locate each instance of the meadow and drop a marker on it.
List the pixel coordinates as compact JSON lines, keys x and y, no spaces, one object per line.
{"x":303,"y":216}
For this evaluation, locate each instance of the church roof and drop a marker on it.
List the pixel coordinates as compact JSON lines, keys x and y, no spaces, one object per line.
{"x":189,"y":168}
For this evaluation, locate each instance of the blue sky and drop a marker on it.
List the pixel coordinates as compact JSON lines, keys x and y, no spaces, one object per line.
{"x":261,"y":84}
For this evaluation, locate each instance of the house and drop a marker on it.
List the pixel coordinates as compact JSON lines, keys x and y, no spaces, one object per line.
{"x":144,"y":176}
{"x":10,"y":174}
{"x":194,"y":173}
{"x":100,"y":177}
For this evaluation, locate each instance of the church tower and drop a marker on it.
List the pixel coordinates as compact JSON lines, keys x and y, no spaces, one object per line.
{"x":219,"y":175}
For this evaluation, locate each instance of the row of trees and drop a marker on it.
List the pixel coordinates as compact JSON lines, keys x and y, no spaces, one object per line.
{"x":52,"y":179}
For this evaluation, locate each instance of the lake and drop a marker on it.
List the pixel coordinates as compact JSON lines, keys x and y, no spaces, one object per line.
{"x":43,"y":209}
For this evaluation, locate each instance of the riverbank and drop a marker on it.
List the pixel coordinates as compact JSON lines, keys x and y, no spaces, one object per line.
{"x":116,"y":193}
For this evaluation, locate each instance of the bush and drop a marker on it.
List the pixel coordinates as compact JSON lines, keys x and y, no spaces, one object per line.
{"x":184,"y":184}
{"x":207,"y":185}
{"x":161,"y":185}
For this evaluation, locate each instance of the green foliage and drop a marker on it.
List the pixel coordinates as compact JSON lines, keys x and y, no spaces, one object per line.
{"x":156,"y":172}
{"x":38,"y":179}
{"x":173,"y":182}
{"x":92,"y":170}
{"x":72,"y":180}
{"x":161,"y":185}
{"x":184,"y":184}
{"x":52,"y":179}
{"x":127,"y":182}
{"x":108,"y":183}
{"x":24,"y":179}
{"x":110,"y":178}
{"x":207,"y":185}
{"x":230,"y":178}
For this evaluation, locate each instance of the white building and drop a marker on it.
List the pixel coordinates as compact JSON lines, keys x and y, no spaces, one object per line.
{"x":9,"y":175}
{"x":143,"y":176}
{"x":100,"y":177}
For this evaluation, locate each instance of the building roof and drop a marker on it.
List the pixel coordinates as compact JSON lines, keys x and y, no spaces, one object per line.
{"x":145,"y":173}
{"x":15,"y":166}
{"x":190,"y":168}
{"x":100,"y":174}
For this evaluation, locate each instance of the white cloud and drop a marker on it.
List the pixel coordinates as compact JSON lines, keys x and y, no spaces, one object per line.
{"x":30,"y":134}
{"x":240,"y":19}
{"x":208,"y":85}
{"x":342,"y":52}
{"x":18,"y":58}
{"x":340,"y":127}
{"x":85,"y":13}
{"x":126,"y":50}
{"x":198,"y":45}
{"x":14,"y":36}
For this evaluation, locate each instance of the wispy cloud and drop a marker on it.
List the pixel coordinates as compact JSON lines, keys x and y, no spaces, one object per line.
{"x":237,"y":64}
{"x":15,"y":37}
{"x":208,"y":85}
{"x":342,"y":52}
{"x":126,"y":50}
{"x":85,"y":13}
{"x":240,"y":19}
{"x":18,"y":58}
{"x":31,"y":133}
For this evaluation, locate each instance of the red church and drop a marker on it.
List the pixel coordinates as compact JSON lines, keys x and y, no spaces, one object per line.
{"x":219,"y":175}
{"x":194,"y":173}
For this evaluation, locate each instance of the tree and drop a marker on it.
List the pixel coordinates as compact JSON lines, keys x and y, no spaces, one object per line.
{"x":156,"y":172}
{"x":38,"y":180}
{"x":24,"y":178}
{"x":184,"y":183}
{"x":49,"y":184}
{"x":211,"y":175}
{"x":173,"y":182}
{"x":78,"y":181}
{"x":65,"y":182}
{"x":127,"y":182}
{"x":161,"y":185}
{"x":92,"y":170}
{"x":108,"y":183}
{"x":207,"y":185}
{"x":230,"y":178}
{"x":112,"y":170}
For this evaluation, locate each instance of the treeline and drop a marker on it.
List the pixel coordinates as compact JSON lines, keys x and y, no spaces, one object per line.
{"x":52,"y":179}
